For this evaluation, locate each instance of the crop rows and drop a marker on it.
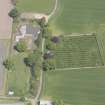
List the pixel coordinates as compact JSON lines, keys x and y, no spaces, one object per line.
{"x":78,"y":51}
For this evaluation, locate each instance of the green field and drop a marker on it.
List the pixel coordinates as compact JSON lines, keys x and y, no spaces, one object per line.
{"x":78,"y":51}
{"x":39,"y":6}
{"x":79,"y":15}
{"x":76,"y":87}
{"x":18,"y":80}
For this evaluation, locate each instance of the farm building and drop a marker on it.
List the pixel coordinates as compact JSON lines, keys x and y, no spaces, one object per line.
{"x":28,"y":31}
{"x":45,"y":102}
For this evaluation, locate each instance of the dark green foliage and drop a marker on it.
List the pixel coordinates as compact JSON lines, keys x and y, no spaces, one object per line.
{"x":42,"y":22}
{"x":9,"y":64}
{"x":21,"y":46}
{"x":14,"y":13}
{"x":48,"y":55}
{"x":22,"y":99}
{"x":48,"y":65}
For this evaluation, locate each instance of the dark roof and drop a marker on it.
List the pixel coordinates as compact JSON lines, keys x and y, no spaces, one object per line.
{"x":32,"y":30}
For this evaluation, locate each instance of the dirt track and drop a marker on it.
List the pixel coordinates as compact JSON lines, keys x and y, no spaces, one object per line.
{"x":5,"y":20}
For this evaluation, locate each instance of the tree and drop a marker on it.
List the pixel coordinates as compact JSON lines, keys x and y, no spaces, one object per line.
{"x":32,"y":58}
{"x":14,"y":13}
{"x":48,"y":65}
{"x":48,"y":55}
{"x":42,"y":22}
{"x":9,"y":64}
{"x":21,"y":46}
{"x":45,"y":66}
{"x":55,"y":39}
{"x":47,"y":33}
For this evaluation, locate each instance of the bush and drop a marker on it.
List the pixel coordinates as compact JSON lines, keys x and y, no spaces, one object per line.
{"x":21,"y":46}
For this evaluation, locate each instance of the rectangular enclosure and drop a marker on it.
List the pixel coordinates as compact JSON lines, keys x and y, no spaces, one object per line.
{"x":78,"y":51}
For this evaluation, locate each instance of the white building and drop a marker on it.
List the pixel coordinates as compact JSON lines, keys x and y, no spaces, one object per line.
{"x":28,"y":31}
{"x":45,"y":102}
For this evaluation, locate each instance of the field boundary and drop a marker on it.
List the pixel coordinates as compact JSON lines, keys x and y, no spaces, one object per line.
{"x":100,"y":50}
{"x":77,"y":34}
{"x":76,"y":68}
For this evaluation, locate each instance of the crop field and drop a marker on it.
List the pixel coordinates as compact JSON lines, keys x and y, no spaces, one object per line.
{"x":76,"y":87}
{"x":79,"y":15}
{"x":78,"y":51}
{"x":39,"y":6}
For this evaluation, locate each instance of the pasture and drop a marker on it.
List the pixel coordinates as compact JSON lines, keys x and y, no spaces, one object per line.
{"x":38,"y":6}
{"x":18,"y":80}
{"x":78,"y":51}
{"x":81,"y":16}
{"x":76,"y":87}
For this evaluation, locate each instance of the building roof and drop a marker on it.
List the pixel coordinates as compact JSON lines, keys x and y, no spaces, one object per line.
{"x":32,"y":30}
{"x":45,"y":102}
{"x":27,"y":30}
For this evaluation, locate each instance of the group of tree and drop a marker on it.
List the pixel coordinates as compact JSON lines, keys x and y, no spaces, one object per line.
{"x":48,"y":64}
{"x":32,"y":58}
{"x":50,"y":45}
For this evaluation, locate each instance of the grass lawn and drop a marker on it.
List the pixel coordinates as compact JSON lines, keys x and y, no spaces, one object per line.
{"x":18,"y":80}
{"x":39,"y":6}
{"x":79,"y":15}
{"x":76,"y":87}
{"x":78,"y":51}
